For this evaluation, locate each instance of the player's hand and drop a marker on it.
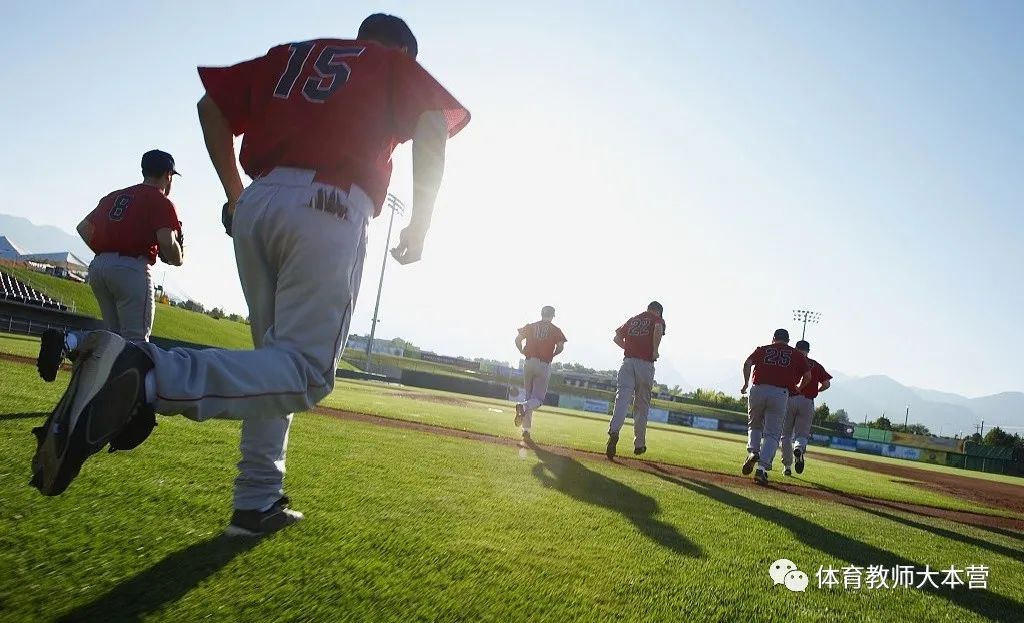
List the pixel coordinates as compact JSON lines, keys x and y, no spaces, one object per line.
{"x":743,"y":391}
{"x":227,"y":215}
{"x":410,"y":245}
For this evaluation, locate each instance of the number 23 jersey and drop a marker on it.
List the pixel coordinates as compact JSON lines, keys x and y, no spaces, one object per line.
{"x":337,"y":106}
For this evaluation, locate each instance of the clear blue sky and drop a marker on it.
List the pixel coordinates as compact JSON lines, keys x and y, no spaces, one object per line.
{"x":733,"y":160}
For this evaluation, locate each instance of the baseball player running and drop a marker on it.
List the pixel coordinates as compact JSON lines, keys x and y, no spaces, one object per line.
{"x":640,"y":338}
{"x":777,"y":367}
{"x":800,"y":413}
{"x":320,"y":120}
{"x":544,"y":341}
{"x":127,"y":231}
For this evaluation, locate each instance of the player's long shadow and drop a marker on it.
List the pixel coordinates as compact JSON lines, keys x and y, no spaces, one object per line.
{"x":24,"y":416}
{"x":982,"y":602}
{"x":995,"y":548}
{"x":572,"y":478}
{"x":164,"y":583}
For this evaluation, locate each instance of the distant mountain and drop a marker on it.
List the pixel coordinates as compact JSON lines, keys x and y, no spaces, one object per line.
{"x":32,"y":238}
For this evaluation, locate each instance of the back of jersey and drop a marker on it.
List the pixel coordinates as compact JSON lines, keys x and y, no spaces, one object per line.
{"x":337,"y":106}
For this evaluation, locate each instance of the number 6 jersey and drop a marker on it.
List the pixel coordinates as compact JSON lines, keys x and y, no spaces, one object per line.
{"x":337,"y":106}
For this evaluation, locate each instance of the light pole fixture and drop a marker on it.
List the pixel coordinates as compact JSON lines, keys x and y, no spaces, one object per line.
{"x":806,"y":316}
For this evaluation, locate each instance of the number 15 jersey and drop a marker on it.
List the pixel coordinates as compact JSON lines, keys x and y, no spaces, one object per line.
{"x":337,"y":106}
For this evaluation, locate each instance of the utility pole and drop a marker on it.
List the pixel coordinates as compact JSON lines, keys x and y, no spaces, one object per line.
{"x":396,"y":206}
{"x":906,"y":419}
{"x":805,"y":316}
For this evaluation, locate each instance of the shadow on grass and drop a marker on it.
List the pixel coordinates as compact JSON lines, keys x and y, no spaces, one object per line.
{"x":164,"y":583}
{"x":982,"y":602}
{"x":572,"y":478}
{"x":23,"y":416}
{"x":1004,"y":532}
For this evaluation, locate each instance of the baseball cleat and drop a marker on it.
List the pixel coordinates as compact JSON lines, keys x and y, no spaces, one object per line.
{"x":748,"y":465}
{"x":526,"y":436}
{"x":799,"y":454}
{"x":256,"y":523}
{"x":51,"y":354}
{"x":787,"y":472}
{"x":640,"y":450}
{"x":761,"y":475}
{"x":609,"y":450}
{"x":104,"y":402}
{"x":520,"y":414}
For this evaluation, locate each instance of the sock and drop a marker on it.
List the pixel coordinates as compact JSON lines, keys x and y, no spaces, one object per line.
{"x":71,"y":342}
{"x":150,"y":387}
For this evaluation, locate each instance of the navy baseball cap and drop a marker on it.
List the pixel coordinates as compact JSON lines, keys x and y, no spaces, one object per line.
{"x":781,"y":334}
{"x":389,"y":30}
{"x":156,"y":162}
{"x":803,"y":345}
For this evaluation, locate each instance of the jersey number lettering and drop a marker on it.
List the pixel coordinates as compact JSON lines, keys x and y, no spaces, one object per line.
{"x":331,"y":72}
{"x":541,"y":332}
{"x":119,"y":208}
{"x":776,"y":357}
{"x":640,"y":326}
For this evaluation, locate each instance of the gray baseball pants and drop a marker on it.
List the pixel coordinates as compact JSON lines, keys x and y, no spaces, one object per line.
{"x":300,"y":266}
{"x":536,"y":376}
{"x":796,"y":428}
{"x":634,"y":384}
{"x":766,"y":408}
{"x":124,"y":290}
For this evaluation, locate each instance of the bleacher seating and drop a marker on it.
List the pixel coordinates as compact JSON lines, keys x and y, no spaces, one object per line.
{"x":13,"y":289}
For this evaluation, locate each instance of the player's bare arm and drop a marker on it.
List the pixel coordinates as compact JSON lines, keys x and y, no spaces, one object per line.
{"x":747,"y":366}
{"x":170,"y":251}
{"x":428,"y":151}
{"x":221,"y":147}
{"x":559,"y":347}
{"x":85,"y":232}
{"x":619,"y":341}
{"x":519,"y":343}
{"x":659,"y":332}
{"x":824,"y":385}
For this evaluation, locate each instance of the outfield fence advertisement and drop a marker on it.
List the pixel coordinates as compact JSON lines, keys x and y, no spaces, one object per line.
{"x":844,"y":443}
{"x":657,"y":415}
{"x":902,"y":452}
{"x":707,"y":423}
{"x":595,"y":406}
{"x":871,"y":447}
{"x":465,"y":364}
{"x":568,"y":401}
{"x":732,"y":427}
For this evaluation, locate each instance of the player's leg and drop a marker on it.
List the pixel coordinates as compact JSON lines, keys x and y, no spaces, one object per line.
{"x":786,"y":441}
{"x":755,"y":425}
{"x":104,"y":296}
{"x":774,"y":412}
{"x":130,"y":281}
{"x":641,"y":403}
{"x":540,"y":391}
{"x":529,"y":378}
{"x":623,"y":398}
{"x":802,"y":431}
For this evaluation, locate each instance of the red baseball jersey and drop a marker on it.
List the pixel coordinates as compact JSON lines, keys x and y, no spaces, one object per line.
{"x":638,"y":332}
{"x":541,"y":338}
{"x":778,"y":364}
{"x":818,"y":376}
{"x":337,"y":106}
{"x":126,"y":221}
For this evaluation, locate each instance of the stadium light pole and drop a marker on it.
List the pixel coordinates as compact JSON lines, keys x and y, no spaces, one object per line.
{"x":805,"y":316}
{"x":396,"y":206}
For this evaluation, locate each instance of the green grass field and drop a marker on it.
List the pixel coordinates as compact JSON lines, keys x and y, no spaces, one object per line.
{"x":403,"y":525}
